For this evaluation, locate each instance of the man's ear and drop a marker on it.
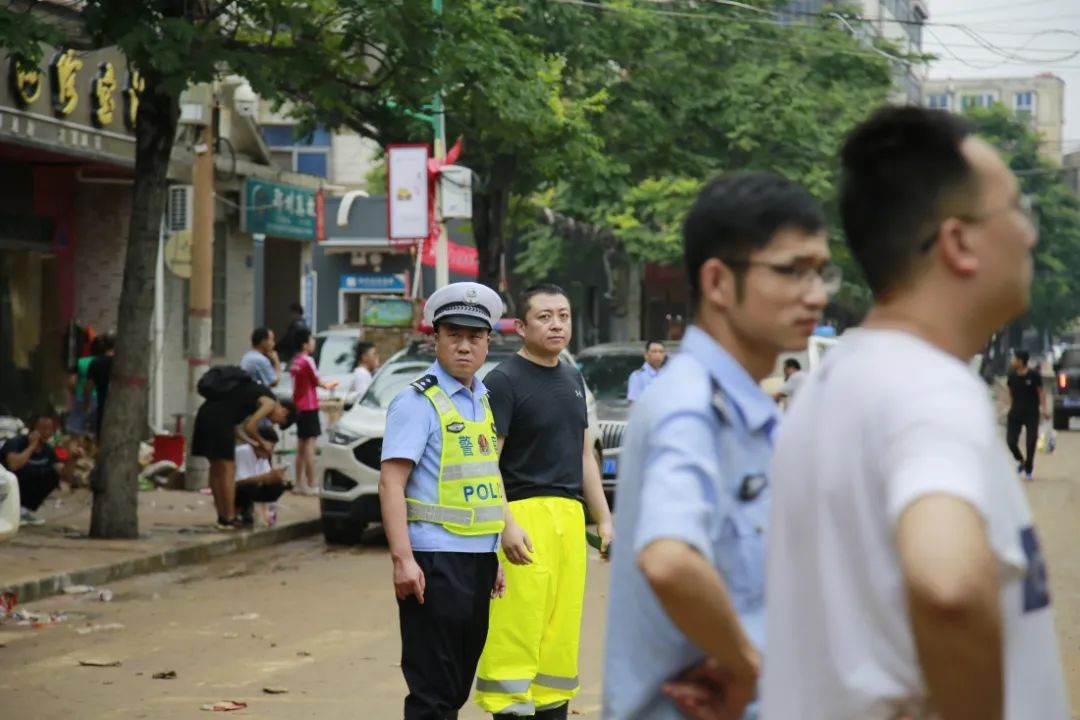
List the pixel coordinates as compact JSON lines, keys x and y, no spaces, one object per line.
{"x":955,"y":247}
{"x":718,"y":283}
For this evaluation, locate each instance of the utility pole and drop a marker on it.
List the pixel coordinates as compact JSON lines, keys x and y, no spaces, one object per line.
{"x":442,"y":246}
{"x":202,"y":267}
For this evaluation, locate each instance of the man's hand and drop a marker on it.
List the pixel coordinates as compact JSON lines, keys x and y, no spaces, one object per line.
{"x":35,"y":441}
{"x":606,"y":531}
{"x":409,"y":580}
{"x":516,"y":544}
{"x":709,"y":692}
{"x":500,"y":583}
{"x":278,"y":475}
{"x":272,"y":356}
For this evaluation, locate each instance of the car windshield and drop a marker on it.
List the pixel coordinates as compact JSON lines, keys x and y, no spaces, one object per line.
{"x":1070,"y":358}
{"x":607,"y":375}
{"x":396,"y":374}
{"x":336,"y":354}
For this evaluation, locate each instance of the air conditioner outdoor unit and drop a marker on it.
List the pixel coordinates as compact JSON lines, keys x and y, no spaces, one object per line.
{"x":178,"y":209}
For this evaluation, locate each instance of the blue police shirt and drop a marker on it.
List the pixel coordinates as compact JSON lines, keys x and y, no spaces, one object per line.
{"x":639,"y":380}
{"x":413,"y":432}
{"x":693,"y":469}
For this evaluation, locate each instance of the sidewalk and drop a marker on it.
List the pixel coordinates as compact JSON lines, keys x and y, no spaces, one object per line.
{"x":175,"y":528}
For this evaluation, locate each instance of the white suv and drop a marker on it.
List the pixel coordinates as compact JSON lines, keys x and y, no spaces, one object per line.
{"x":349,"y":465}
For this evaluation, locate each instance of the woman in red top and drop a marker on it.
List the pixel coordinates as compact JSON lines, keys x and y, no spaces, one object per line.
{"x":306,"y":397}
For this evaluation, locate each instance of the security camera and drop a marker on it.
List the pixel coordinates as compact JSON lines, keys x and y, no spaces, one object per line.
{"x":245,"y":101}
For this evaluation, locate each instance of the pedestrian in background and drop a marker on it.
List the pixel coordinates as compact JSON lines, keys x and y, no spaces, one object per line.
{"x":655,"y":355}
{"x":37,"y":466}
{"x":905,"y":575}
{"x":289,"y":344}
{"x":793,"y":379}
{"x":83,"y":399}
{"x":530,"y":663}
{"x":306,"y":384}
{"x":367,"y":362}
{"x":98,"y":375}
{"x":443,"y":505}
{"x":258,"y":483}
{"x":1027,"y":405}
{"x":686,"y":609}
{"x":261,"y":361}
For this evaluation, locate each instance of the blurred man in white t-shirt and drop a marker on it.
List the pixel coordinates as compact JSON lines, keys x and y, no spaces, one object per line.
{"x":258,"y":483}
{"x":905,"y":578}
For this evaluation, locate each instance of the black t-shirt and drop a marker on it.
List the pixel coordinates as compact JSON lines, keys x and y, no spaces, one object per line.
{"x":98,"y":372}
{"x":42,"y":463}
{"x":541,"y":412}
{"x":242,"y":402}
{"x":1024,"y":388}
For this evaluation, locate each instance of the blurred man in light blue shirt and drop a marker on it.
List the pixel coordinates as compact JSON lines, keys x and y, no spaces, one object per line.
{"x":261,"y":361}
{"x":686,"y":627}
{"x":655,"y":355}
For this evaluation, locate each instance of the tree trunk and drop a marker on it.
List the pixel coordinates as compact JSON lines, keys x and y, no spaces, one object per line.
{"x":489,"y":221}
{"x":115,"y":510}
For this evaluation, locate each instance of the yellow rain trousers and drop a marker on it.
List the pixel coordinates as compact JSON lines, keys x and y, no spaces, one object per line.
{"x":530,"y":661}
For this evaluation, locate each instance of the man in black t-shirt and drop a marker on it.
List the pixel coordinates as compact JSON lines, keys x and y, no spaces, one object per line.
{"x":36,"y":465}
{"x":548,"y":468}
{"x":1027,"y":404}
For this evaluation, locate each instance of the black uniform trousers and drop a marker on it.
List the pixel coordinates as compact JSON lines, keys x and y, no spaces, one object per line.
{"x":441,"y":640}
{"x":1029,"y":422}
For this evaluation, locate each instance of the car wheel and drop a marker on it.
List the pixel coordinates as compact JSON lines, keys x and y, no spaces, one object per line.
{"x":339,"y":532}
{"x":1061,"y":421}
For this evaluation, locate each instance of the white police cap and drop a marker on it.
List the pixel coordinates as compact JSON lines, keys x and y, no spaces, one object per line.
{"x":464,"y":303}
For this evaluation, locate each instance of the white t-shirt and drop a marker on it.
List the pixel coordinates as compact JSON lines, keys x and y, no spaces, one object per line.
{"x":885,"y":420}
{"x":248,"y":464}
{"x":361,"y":380}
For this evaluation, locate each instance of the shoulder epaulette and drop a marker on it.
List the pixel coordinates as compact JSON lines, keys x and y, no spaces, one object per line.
{"x":421,"y":385}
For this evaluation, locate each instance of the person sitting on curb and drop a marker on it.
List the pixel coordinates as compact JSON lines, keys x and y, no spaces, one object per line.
{"x":258,"y":484}
{"x":38,"y":466}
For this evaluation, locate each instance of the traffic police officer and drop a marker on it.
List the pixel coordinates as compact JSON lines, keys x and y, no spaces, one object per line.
{"x":443,"y":505}
{"x":687,"y":595}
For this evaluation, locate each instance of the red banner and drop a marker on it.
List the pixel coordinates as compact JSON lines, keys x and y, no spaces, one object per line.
{"x":464,"y":260}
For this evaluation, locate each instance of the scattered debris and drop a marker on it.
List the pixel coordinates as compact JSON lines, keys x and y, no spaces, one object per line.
{"x":100,"y":663}
{"x":38,"y":620}
{"x":8,"y":601}
{"x":275,"y":690}
{"x":246,"y":616}
{"x":99,"y":628}
{"x":167,"y":675}
{"x":304,"y":653}
{"x":78,"y":589}
{"x":105,"y":595}
{"x":230,"y":636}
{"x":225,"y":706}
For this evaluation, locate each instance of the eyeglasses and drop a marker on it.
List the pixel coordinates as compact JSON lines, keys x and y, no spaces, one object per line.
{"x":830,"y":275}
{"x":1024,"y":203}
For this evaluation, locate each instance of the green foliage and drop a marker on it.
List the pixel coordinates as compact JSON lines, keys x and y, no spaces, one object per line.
{"x":1055,"y":292}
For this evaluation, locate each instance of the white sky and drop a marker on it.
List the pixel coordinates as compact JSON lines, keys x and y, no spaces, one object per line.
{"x":1046,"y":32}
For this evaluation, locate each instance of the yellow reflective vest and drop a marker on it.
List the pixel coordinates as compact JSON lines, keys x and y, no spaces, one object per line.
{"x":470,"y":487}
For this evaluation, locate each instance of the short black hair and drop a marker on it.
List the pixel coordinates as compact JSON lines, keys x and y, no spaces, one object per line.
{"x":258,"y":335}
{"x":525,"y":299}
{"x":739,"y":213}
{"x":97,"y":346}
{"x":901,"y":171}
{"x":362,"y":349}
{"x":793,"y":364}
{"x":650,"y":343}
{"x":295,"y":307}
{"x":108,"y":342}
{"x":290,"y":408}
{"x":1022,"y":355}
{"x":268,"y":434}
{"x":302,"y":336}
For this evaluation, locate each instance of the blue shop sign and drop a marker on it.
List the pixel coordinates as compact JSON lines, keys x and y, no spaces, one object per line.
{"x":373,"y":282}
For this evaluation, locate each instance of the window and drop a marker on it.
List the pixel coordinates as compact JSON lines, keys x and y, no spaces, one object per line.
{"x":1025,"y":101}
{"x":982,"y":100}
{"x":290,"y":150}
{"x":939,"y":101}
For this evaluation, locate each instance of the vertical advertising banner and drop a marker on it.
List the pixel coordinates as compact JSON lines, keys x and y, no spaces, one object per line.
{"x":407,"y":191}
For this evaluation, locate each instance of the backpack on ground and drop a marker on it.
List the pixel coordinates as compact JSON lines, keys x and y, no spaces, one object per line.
{"x":221,"y":380}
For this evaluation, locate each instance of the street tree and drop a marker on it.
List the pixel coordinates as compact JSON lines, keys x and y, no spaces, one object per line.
{"x":330,"y":55}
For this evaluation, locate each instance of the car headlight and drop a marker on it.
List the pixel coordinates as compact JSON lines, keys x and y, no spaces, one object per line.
{"x":338,"y":437}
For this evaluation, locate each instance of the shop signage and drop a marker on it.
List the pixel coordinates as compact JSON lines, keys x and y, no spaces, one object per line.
{"x":279,"y":210}
{"x":386,"y":312}
{"x":73,"y":100}
{"x":407,"y":191}
{"x":373,"y":282}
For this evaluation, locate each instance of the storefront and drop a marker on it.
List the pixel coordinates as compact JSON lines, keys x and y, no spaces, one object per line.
{"x":66,"y":159}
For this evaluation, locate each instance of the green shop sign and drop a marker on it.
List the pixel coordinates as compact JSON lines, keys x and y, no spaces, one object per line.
{"x":279,"y":210}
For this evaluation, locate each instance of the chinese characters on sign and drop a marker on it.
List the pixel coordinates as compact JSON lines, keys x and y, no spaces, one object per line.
{"x":63,"y":74}
{"x":102,"y":90}
{"x":135,"y":86}
{"x":25,"y":82}
{"x":373,"y":282}
{"x":279,"y":210}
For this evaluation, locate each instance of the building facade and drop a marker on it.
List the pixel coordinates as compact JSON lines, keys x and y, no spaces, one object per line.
{"x":1038,"y":100}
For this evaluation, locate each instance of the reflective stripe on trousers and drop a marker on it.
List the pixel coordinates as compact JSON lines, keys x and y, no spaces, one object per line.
{"x":530,"y":661}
